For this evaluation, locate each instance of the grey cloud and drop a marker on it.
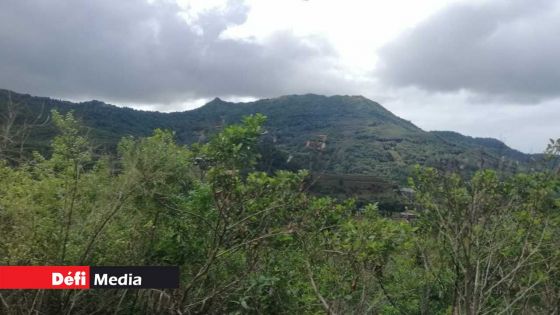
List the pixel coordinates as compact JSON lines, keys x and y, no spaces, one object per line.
{"x":498,"y":50}
{"x":133,"y":51}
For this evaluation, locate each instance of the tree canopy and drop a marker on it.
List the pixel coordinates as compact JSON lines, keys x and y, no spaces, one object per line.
{"x":252,"y":242}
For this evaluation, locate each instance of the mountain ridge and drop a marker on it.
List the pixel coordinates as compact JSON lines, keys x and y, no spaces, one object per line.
{"x":362,"y":137}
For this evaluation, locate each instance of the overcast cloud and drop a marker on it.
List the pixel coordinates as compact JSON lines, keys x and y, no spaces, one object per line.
{"x":135,"y":52}
{"x":504,"y":49}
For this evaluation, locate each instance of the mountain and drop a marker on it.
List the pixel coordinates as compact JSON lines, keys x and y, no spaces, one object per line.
{"x":350,"y":136}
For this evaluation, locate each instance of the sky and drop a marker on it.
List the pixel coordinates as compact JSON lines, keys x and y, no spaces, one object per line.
{"x":486,"y":68}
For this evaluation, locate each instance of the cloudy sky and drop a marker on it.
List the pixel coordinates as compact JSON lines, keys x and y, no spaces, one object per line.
{"x":483,"y":68}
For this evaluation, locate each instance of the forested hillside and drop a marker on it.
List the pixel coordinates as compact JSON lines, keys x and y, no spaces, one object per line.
{"x":337,"y":134}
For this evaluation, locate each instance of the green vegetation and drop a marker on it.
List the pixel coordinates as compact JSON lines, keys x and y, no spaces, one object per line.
{"x":254,"y":242}
{"x":360,"y":137}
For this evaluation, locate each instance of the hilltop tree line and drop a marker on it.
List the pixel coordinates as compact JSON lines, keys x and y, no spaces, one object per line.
{"x":250,"y":242}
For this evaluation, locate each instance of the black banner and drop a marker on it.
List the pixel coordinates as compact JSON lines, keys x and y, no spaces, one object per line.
{"x":139,"y":277}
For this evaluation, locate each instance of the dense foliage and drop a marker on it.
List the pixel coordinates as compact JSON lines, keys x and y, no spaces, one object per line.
{"x":255,"y":242}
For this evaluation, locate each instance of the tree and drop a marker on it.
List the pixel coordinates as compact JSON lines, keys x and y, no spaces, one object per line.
{"x":487,"y":239}
{"x":15,"y":129}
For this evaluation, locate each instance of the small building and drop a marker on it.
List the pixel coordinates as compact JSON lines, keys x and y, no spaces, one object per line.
{"x":407,"y":215}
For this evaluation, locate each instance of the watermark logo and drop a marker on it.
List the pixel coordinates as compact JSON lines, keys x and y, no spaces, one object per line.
{"x":86,"y":277}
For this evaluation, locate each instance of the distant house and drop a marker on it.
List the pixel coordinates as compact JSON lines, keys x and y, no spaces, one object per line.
{"x":406,"y":191}
{"x":318,"y":144}
{"x":315,"y":145}
{"x":409,"y":216}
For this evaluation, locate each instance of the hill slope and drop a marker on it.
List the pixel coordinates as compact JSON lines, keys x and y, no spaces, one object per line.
{"x":336,"y":134}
